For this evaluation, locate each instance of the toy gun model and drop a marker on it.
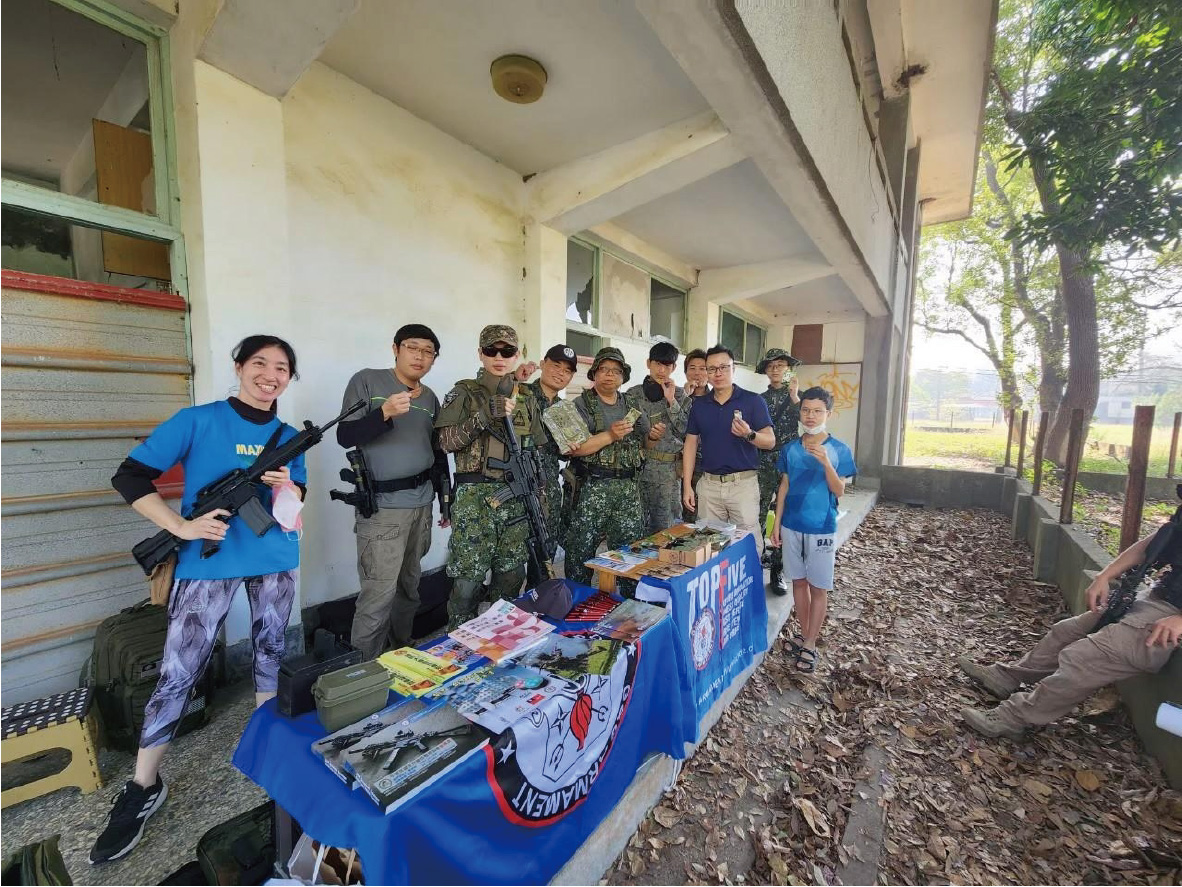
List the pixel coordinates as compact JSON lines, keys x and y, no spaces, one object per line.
{"x":525,"y":480}
{"x":348,"y":740}
{"x":363,"y":497}
{"x":1125,"y":593}
{"x":236,"y":493}
{"x":408,"y":739}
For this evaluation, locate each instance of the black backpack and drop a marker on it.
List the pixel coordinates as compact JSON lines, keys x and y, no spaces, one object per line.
{"x":123,"y":670}
{"x":240,"y":850}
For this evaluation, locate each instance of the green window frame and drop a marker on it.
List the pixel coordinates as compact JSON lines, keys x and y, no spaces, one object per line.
{"x":164,"y":225}
{"x":745,"y":337}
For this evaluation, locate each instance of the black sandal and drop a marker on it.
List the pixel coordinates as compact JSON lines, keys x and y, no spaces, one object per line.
{"x":795,"y":645}
{"x":806,"y":661}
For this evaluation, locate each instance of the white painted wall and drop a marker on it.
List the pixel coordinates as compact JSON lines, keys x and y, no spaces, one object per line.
{"x":390,"y":222}
{"x":802,"y":47}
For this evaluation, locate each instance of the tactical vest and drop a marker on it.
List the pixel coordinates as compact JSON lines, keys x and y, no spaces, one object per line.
{"x":1169,"y":585}
{"x":620,"y":455}
{"x":487,"y":445}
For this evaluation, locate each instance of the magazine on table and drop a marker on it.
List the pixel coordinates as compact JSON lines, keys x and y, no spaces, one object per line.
{"x":398,"y":762}
{"x":453,"y":651}
{"x":333,"y":747}
{"x":414,"y":672}
{"x":502,"y":630}
{"x":572,"y":656}
{"x":629,"y":620}
{"x":498,"y":696}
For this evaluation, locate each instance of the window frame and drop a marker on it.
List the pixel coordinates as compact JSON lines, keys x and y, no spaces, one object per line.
{"x":666,"y":282}
{"x":163,"y":226}
{"x":747,"y":322}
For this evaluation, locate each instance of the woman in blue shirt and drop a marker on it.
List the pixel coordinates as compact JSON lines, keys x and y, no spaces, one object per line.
{"x":209,"y":441}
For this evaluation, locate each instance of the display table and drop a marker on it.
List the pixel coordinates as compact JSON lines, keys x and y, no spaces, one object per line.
{"x":606,"y":577}
{"x":513,"y":812}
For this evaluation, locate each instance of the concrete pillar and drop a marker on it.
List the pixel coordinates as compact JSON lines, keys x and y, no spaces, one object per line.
{"x":894,"y":126}
{"x":545,"y":290}
{"x":1020,"y":516}
{"x":701,"y":321}
{"x":1046,"y":549}
{"x":874,"y":404}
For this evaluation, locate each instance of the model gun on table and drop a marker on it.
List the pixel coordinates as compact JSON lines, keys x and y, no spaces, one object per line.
{"x":525,"y":480}
{"x":407,"y":739}
{"x":1124,"y":594}
{"x":237,"y":493}
{"x":348,"y":740}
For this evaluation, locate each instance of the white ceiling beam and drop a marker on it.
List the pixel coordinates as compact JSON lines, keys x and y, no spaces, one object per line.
{"x":726,"y":285}
{"x":886,"y":23}
{"x":268,"y":44}
{"x":699,"y":35}
{"x":601,"y":187}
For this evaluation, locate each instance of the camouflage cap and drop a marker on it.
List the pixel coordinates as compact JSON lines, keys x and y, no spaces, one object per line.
{"x":775,"y":354}
{"x":498,"y":332}
{"x":609,"y":353}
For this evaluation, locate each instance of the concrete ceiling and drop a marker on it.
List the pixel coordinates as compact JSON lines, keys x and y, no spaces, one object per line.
{"x":610,"y":79}
{"x":955,"y":43}
{"x":58,"y":68}
{"x":825,"y":300}
{"x":730,"y":218}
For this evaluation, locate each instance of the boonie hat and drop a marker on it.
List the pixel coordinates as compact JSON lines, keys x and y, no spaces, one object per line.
{"x":775,"y":354}
{"x":609,"y":353}
{"x":498,"y":332}
{"x":563,"y":354}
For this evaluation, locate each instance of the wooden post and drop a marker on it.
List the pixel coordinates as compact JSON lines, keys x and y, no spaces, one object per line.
{"x":1075,"y":436}
{"x":1022,"y":441}
{"x":1174,"y":445}
{"x":1130,"y":522}
{"x":1040,"y":441}
{"x":1009,"y":437}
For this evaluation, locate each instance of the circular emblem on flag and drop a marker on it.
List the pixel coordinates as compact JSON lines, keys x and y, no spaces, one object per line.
{"x":702,"y":638}
{"x":543,"y":766}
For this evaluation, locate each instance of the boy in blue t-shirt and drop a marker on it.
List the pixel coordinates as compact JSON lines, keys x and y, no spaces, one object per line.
{"x":813,"y":472}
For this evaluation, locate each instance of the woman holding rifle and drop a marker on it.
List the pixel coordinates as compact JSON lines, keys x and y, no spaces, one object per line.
{"x":210,"y":441}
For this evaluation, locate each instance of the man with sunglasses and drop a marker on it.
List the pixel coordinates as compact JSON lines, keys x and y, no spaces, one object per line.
{"x":731,"y":425}
{"x":667,"y":406}
{"x":486,"y":535}
{"x":606,"y":465}
{"x":396,"y":437}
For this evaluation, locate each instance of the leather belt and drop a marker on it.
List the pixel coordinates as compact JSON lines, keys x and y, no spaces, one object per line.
{"x":663,"y":457}
{"x":733,"y":477}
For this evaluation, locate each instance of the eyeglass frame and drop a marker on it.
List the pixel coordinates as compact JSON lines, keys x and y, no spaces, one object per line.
{"x":429,"y":353}
{"x":721,"y":368}
{"x":494,"y":351}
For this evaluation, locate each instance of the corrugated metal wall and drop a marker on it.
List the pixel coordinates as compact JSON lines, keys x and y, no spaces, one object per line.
{"x":88,"y":371}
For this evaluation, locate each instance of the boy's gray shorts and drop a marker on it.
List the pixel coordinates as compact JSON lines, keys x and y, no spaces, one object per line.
{"x":809,"y":556}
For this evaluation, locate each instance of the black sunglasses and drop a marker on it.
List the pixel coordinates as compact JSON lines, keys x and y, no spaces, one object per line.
{"x":503,"y":351}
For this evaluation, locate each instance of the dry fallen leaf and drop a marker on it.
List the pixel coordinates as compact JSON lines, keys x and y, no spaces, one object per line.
{"x":1087,"y":779}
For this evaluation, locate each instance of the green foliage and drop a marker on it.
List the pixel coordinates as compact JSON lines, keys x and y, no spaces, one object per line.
{"x":1092,"y":89}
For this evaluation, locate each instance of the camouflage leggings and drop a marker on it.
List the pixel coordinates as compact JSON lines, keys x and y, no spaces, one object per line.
{"x":608,"y":510}
{"x":196,"y":610}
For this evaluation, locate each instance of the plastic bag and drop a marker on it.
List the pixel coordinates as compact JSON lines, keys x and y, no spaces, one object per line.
{"x":286,"y":506}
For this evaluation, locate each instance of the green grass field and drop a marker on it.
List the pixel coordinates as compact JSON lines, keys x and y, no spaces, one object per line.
{"x":985,"y":447}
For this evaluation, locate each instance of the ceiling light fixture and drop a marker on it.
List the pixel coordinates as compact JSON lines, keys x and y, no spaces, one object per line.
{"x":518,"y":78}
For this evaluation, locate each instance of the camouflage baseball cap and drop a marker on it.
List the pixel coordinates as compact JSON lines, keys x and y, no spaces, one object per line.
{"x":609,"y":353}
{"x":498,"y":332}
{"x":775,"y":354}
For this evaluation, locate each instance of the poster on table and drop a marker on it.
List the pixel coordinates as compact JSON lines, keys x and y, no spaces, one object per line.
{"x":720,"y":614}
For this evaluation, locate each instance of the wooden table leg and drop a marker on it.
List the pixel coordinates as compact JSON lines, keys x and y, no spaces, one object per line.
{"x":605,"y":580}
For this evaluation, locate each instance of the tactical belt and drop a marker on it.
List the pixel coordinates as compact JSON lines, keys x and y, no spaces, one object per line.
{"x":593,"y":473}
{"x":402,"y":483}
{"x":662,"y":457}
{"x":474,"y":477}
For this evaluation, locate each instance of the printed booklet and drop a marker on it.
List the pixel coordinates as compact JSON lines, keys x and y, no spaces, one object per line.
{"x":502,"y":630}
{"x":414,"y":672}
{"x":498,"y":696}
{"x":629,"y":620}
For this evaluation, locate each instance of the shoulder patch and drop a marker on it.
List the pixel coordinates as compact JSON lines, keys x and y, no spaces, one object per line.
{"x":451,"y":396}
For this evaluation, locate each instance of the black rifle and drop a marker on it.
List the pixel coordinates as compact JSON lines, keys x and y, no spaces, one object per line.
{"x":363,"y":497}
{"x":408,"y":739}
{"x":236,"y":493}
{"x":1125,"y":594}
{"x":525,"y":479}
{"x":441,"y":481}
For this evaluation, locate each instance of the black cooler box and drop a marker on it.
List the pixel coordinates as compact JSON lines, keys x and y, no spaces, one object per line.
{"x":299,"y":673}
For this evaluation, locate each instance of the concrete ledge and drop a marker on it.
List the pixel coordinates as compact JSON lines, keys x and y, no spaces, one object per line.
{"x":1103,"y":482}
{"x":941,"y":488}
{"x":604,"y":845}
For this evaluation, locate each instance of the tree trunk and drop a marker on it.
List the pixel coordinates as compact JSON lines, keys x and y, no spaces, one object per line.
{"x":1083,"y":358}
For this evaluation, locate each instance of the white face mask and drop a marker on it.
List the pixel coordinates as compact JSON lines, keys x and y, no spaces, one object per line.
{"x":820,"y":429}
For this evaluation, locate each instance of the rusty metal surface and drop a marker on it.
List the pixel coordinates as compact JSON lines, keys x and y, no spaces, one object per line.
{"x":84,"y":380}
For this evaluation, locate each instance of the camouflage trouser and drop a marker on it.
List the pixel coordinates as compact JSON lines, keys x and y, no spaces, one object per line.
{"x":687,"y":515}
{"x":481,"y":539}
{"x":607,"y":510}
{"x":660,"y":496}
{"x":769,"y":482}
{"x":555,"y":516}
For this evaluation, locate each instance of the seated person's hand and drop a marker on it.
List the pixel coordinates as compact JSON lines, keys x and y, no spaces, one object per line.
{"x":1097,"y":595}
{"x":1167,"y":632}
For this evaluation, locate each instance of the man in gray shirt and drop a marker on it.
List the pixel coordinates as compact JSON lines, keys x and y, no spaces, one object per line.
{"x":397,"y":439}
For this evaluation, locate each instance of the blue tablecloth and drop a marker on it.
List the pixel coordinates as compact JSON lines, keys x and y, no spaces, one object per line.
{"x":489,"y":820}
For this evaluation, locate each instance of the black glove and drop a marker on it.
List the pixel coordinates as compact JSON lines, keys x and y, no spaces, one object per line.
{"x":499,"y":406}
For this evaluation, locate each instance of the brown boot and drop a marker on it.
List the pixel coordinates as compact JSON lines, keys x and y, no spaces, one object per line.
{"x":990,"y":723}
{"x":997,"y":686}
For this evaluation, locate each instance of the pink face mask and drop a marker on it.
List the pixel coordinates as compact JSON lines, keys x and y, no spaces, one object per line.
{"x":286,"y":506}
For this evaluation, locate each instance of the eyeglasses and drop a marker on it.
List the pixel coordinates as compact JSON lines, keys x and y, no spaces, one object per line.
{"x":609,"y":371}
{"x":428,"y":353}
{"x":503,"y":351}
{"x":813,"y":411}
{"x":718,"y":370}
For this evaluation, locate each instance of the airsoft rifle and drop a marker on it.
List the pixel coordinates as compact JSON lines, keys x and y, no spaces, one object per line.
{"x":237,"y":493}
{"x":407,"y":739}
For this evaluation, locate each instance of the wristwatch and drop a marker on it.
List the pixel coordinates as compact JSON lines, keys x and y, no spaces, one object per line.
{"x":750,"y":436}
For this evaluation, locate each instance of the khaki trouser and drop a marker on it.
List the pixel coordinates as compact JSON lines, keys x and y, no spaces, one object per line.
{"x":390,"y":546}
{"x":734,"y":502}
{"x":1068,"y":664}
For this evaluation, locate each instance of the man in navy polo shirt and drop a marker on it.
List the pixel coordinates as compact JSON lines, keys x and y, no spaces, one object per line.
{"x":731,"y":425}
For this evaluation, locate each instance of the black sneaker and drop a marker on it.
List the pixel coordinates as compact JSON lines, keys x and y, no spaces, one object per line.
{"x":133,"y":805}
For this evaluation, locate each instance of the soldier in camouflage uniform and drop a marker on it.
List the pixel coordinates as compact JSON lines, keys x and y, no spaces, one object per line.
{"x":783,"y":403}
{"x":471,"y":425}
{"x":667,"y":407}
{"x":558,"y":367}
{"x":607,"y":466}
{"x":695,"y":386}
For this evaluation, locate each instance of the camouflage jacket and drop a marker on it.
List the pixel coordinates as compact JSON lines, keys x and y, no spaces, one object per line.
{"x":467,"y":429}
{"x":787,"y":428}
{"x":675,"y":416}
{"x":545,"y":443}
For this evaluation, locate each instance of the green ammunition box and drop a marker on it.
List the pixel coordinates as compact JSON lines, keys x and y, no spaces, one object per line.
{"x":347,"y":695}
